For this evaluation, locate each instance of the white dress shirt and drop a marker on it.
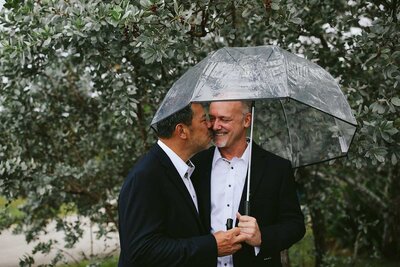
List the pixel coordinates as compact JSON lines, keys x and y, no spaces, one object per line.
{"x":227,"y":183}
{"x":184,"y":169}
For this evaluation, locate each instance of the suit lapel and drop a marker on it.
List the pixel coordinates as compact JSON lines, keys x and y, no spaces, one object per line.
{"x":258,"y":166}
{"x":204,"y":188}
{"x":174,"y":177}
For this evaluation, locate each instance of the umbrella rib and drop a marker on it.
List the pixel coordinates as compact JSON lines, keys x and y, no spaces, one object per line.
{"x":234,"y":59}
{"x":270,"y":54}
{"x":196,"y":88}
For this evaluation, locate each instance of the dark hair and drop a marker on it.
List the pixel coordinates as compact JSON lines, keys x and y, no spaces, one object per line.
{"x":166,"y":127}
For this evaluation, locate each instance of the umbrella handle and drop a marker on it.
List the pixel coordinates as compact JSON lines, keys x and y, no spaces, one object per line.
{"x":229,"y":223}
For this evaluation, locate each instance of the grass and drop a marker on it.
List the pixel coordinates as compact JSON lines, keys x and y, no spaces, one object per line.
{"x":302,"y":255}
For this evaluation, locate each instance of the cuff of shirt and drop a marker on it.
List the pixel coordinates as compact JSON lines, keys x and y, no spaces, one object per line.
{"x":256,"y":250}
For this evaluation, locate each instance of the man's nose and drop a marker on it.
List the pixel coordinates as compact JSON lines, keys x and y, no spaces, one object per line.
{"x":216,"y":125}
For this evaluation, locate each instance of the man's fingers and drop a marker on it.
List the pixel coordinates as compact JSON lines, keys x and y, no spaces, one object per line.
{"x":245,"y":218}
{"x":241,"y":238}
{"x":244,"y":224}
{"x":249,"y":231}
{"x":248,"y":224}
{"x":234,"y":231}
{"x":238,"y":215}
{"x":237,"y":246}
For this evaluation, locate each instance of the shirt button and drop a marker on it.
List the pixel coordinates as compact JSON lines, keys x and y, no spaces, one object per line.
{"x":228,"y":205}
{"x":229,"y":185}
{"x":232,"y":168}
{"x":225,"y":264}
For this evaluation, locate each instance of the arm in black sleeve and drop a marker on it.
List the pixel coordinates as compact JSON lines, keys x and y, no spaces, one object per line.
{"x":144,"y":242}
{"x":290,"y":226}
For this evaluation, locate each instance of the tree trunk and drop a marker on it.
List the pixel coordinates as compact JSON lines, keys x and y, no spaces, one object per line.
{"x":313,"y":186}
{"x":391,"y":233}
{"x":318,"y":228}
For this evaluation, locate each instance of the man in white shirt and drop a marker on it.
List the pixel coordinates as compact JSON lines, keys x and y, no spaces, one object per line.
{"x":159,"y":224}
{"x":275,"y":221}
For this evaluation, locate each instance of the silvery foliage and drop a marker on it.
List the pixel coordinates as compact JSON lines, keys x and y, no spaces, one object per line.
{"x":81,"y":80}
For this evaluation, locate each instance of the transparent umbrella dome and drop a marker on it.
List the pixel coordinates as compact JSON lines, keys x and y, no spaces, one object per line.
{"x":300,"y":112}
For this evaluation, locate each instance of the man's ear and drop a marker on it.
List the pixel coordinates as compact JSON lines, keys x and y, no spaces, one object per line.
{"x":181,"y":130}
{"x":247,"y":120}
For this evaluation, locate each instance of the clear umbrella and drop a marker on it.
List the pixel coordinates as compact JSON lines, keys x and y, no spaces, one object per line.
{"x":301,"y":113}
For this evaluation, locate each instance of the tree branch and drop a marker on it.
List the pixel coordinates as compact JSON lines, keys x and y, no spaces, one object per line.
{"x":394,"y":9}
{"x":365,"y":191}
{"x":73,"y":187}
{"x":203,"y":32}
{"x":233,"y":14}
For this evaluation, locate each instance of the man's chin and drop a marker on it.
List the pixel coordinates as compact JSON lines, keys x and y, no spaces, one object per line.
{"x":218,"y":144}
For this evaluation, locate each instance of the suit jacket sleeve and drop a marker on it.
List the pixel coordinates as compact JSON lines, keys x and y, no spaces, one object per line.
{"x":144,"y":241}
{"x":289,"y":227}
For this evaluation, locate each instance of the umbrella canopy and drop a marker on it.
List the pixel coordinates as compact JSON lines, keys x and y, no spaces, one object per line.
{"x":301,"y":113}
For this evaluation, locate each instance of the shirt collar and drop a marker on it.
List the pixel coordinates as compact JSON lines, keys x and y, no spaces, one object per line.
{"x":218,"y":156}
{"x":181,"y":166}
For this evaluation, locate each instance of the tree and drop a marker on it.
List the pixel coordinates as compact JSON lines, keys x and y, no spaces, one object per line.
{"x":82,"y":79}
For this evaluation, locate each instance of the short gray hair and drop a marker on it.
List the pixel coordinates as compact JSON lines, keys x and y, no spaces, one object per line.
{"x":247,"y":105}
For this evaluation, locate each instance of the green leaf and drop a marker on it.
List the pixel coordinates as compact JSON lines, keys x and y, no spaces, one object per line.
{"x":297,"y":21}
{"x":47,"y":42}
{"x":394,"y":159}
{"x":395,"y":101}
{"x":378,"y":108}
{"x":275,"y":6}
{"x":145,"y":3}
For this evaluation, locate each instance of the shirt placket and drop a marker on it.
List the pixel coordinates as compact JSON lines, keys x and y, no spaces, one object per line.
{"x":229,"y":201}
{"x":191,"y":190}
{"x":229,"y":188}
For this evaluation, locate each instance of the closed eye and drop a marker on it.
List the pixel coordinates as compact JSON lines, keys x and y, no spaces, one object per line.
{"x":226,"y":120}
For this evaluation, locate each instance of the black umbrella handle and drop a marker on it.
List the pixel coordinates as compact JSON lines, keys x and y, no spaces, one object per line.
{"x":229,"y":223}
{"x":247,"y":208}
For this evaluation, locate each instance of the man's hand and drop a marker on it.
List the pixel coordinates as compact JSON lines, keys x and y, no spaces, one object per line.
{"x":249,"y":227}
{"x":229,"y":242}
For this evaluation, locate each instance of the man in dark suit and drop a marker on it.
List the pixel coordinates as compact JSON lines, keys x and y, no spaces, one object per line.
{"x":275,"y":221}
{"x":159,"y":223}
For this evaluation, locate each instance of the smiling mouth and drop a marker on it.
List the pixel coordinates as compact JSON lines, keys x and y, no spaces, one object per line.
{"x":219,"y":134}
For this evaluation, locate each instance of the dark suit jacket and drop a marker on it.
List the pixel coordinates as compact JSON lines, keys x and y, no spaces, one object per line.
{"x":158,"y":222}
{"x":273,"y":202}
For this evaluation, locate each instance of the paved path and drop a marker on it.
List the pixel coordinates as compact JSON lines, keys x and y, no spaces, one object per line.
{"x":14,"y":247}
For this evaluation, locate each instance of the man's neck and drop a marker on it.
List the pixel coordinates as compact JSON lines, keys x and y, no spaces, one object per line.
{"x":178,"y":148}
{"x":231,"y":152}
